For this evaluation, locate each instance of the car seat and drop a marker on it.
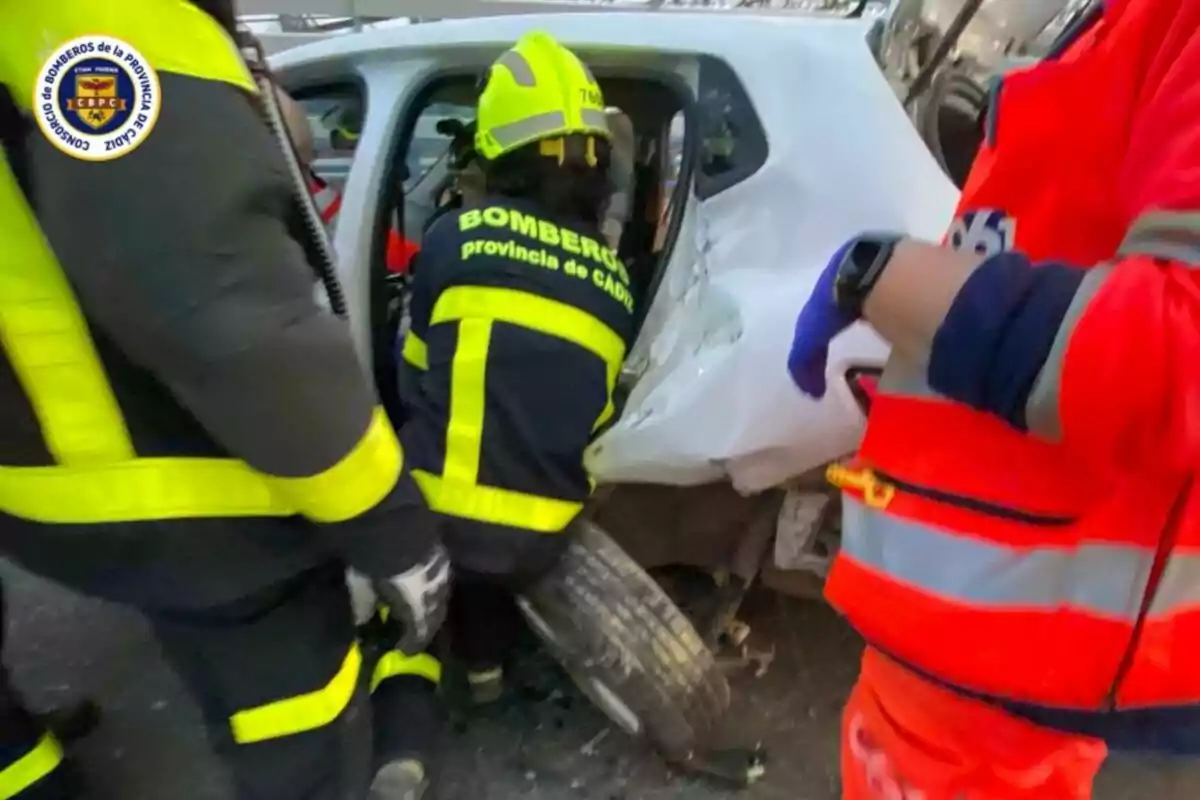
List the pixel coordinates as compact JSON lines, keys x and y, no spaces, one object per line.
{"x":621,"y":172}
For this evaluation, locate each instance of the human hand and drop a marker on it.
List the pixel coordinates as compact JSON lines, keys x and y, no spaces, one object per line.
{"x":818,"y":322}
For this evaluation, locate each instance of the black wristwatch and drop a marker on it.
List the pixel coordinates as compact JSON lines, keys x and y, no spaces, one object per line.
{"x":863,"y":261}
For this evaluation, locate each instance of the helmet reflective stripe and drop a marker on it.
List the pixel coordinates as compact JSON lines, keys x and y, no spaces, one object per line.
{"x":515,"y":63}
{"x":537,"y":90}
{"x":541,"y":126}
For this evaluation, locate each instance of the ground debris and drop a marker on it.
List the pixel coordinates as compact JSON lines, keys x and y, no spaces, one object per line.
{"x":589,"y":747}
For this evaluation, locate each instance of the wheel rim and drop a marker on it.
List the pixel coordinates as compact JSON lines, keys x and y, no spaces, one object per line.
{"x":599,"y":692}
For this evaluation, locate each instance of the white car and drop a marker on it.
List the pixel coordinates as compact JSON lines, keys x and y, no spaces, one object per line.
{"x":820,"y":149}
{"x":792,"y":141}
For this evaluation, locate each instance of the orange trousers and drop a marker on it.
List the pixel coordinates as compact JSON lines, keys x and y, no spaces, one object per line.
{"x":905,"y":738}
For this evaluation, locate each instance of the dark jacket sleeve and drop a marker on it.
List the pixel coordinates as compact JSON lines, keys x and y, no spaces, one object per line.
{"x":179,"y":251}
{"x":411,"y":350}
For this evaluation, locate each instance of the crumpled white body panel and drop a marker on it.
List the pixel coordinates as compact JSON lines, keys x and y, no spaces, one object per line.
{"x":714,"y":399}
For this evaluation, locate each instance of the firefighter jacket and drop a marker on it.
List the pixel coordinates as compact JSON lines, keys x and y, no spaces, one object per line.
{"x":182,"y":423}
{"x":1022,"y":519}
{"x":520,"y":323}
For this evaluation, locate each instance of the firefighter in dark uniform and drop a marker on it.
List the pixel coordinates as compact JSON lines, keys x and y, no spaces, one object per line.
{"x":184,"y":429}
{"x":521,"y":317}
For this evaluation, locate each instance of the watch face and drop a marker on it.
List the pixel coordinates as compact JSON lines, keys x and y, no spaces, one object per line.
{"x":860,"y":269}
{"x":865,"y":253}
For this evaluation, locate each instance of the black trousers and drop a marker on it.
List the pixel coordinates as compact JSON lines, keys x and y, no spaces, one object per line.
{"x":484,"y":621}
{"x":493,"y":564}
{"x":285,"y":688}
{"x":30,"y":765}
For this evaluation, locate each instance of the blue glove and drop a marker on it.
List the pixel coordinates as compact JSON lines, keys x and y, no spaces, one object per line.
{"x":819,"y":321}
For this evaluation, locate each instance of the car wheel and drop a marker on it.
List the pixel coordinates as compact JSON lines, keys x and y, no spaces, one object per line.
{"x":627,"y":645}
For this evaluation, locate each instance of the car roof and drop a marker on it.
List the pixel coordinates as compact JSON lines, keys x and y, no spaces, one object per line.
{"x":724,"y":33}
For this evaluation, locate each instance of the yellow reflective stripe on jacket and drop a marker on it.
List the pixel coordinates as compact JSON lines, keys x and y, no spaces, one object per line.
{"x":99,"y":477}
{"x":30,"y":768}
{"x":183,"y":488}
{"x":174,"y":36}
{"x":44,"y":335}
{"x":354,"y":485}
{"x":468,"y":401}
{"x":415,"y":352}
{"x":302,"y":713}
{"x":1105,"y":580}
{"x":393,"y":664}
{"x":476,"y":309}
{"x":1171,"y":235}
{"x":139,"y":490}
{"x":540,"y":314}
{"x":48,"y":344}
{"x":495,"y":505}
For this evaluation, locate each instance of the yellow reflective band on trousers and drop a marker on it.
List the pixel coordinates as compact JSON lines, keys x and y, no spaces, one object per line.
{"x":393,"y":664}
{"x":415,"y":352}
{"x":98,"y":477}
{"x":302,"y":713}
{"x":1104,"y":580}
{"x":174,"y":35}
{"x":456,"y":491}
{"x":1170,"y":235}
{"x":30,"y":768}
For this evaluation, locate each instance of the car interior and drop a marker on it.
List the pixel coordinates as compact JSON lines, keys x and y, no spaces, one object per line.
{"x":646,"y":119}
{"x":641,"y":113}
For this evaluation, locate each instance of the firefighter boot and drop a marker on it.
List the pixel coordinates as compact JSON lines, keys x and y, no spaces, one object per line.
{"x":404,"y":779}
{"x":485,"y":684}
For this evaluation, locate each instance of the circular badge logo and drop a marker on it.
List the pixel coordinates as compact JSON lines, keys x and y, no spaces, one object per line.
{"x":96,"y":98}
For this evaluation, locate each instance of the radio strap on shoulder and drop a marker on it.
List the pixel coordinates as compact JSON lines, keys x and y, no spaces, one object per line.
{"x":305,"y":226}
{"x":308,"y":228}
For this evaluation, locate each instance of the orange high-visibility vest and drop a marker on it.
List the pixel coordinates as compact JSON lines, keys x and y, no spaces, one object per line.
{"x":1041,"y":569}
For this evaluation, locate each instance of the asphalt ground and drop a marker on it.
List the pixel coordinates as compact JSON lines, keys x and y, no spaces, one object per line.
{"x":542,"y":742}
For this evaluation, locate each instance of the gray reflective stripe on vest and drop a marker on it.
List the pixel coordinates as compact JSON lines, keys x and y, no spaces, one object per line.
{"x":542,"y":125}
{"x":516,"y":64}
{"x":1172,"y":235}
{"x":1042,"y":414}
{"x":1179,"y":587}
{"x":1104,"y":580}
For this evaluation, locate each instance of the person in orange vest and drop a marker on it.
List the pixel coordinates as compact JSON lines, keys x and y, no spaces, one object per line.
{"x":400,"y":250}
{"x":1021,"y":532}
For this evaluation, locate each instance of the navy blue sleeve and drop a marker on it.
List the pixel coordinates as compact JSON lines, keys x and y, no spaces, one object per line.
{"x":999,"y":331}
{"x":421,"y":292}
